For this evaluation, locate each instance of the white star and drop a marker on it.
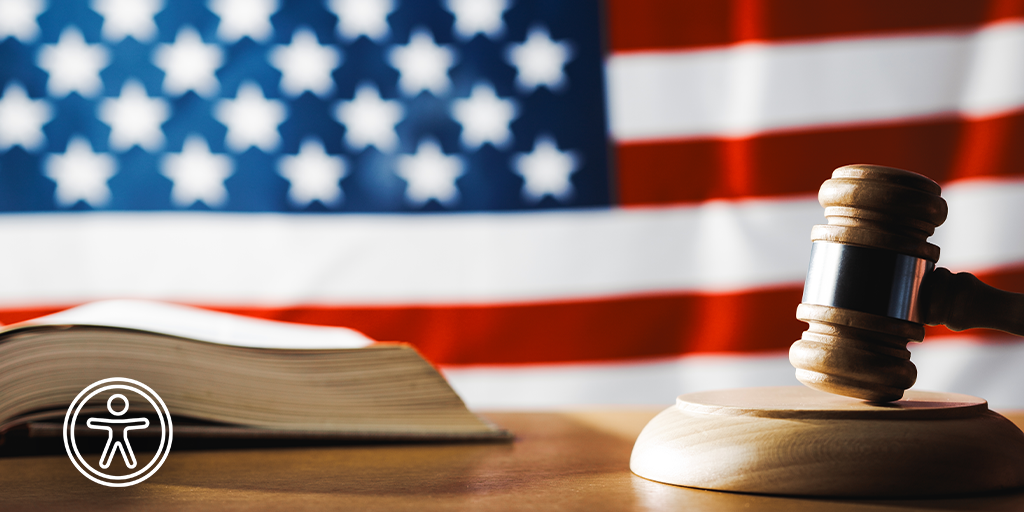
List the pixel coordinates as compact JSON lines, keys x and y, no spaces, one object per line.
{"x":422,"y":64}
{"x":546,"y":170}
{"x":123,"y":18}
{"x":22,"y":119}
{"x":239,"y":18}
{"x":189,"y":64}
{"x":251,"y":119}
{"x":305,"y":65}
{"x":134,"y":118}
{"x":370,"y":120}
{"x":539,"y":61}
{"x":18,"y":19}
{"x":73,"y":65}
{"x":474,"y":17}
{"x":313,"y":175}
{"x":198,"y":175}
{"x":484,"y":117}
{"x":429,"y":174}
{"x":80,"y":174}
{"x":362,"y":18}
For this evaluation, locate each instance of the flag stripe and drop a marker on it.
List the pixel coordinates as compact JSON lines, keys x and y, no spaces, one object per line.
{"x":658,"y":24}
{"x":270,"y":260}
{"x":647,"y":382}
{"x":275,"y":260}
{"x":980,"y":366}
{"x":793,"y":163}
{"x":982,"y":231}
{"x":656,"y":326}
{"x":745,"y":89}
{"x":572,"y":331}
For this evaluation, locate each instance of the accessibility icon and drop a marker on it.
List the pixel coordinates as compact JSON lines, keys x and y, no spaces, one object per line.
{"x":117,"y":430}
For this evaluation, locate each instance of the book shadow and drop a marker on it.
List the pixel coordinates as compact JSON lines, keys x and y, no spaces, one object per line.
{"x":46,"y":437}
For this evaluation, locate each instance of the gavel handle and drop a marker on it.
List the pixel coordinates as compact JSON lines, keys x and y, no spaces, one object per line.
{"x":961,"y":301}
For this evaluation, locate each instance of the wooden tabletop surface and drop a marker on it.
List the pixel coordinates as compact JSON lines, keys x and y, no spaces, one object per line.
{"x":559,"y":461}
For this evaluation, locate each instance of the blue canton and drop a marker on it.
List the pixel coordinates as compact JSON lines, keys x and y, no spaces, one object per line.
{"x":302,"y":106}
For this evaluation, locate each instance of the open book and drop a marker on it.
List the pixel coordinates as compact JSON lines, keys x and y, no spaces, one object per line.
{"x":222,"y":375}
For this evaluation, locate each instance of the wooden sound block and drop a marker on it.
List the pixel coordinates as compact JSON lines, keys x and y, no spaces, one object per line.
{"x":802,"y":442}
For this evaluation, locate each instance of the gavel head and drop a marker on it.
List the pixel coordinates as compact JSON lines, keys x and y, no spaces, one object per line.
{"x":866,"y":269}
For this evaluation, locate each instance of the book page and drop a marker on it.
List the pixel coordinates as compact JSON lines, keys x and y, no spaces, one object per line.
{"x":204,"y":325}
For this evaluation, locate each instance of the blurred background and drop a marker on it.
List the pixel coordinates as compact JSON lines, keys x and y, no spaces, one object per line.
{"x":561,"y":203}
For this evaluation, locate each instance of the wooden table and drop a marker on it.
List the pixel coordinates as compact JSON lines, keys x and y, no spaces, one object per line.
{"x":567,"y":461}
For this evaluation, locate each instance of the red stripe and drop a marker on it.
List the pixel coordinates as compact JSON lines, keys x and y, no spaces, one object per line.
{"x":677,"y":24}
{"x":620,"y":328}
{"x":795,"y":163}
{"x":600,"y":330}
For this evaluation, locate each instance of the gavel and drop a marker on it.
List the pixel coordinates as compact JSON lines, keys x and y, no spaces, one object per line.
{"x":872,"y":285}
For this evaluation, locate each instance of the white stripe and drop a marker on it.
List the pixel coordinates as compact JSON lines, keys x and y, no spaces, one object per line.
{"x":305,"y":259}
{"x":985,"y":228}
{"x":555,"y":386}
{"x":982,"y":365}
{"x":960,"y":364}
{"x":748,"y":88}
{"x":269,"y":260}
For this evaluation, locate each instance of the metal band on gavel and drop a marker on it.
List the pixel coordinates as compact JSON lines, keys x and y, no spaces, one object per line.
{"x":864,"y":279}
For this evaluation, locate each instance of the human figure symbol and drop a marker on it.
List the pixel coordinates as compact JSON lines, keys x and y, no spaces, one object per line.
{"x":125,"y":424}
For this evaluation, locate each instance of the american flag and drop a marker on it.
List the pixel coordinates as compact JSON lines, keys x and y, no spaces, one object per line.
{"x":559,"y":202}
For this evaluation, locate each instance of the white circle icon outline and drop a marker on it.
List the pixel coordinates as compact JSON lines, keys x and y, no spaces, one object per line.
{"x":166,"y":430}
